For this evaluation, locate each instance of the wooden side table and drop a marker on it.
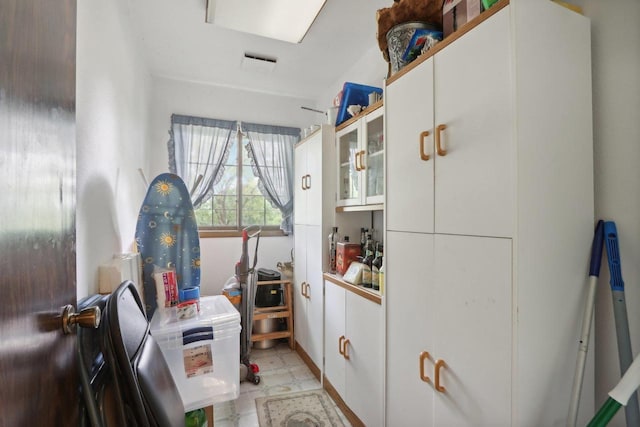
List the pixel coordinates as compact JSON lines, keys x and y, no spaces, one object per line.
{"x":284,"y":311}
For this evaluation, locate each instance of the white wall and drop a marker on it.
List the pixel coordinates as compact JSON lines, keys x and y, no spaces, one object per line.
{"x":370,"y":69}
{"x":112,"y":87}
{"x":219,"y":255}
{"x":616,"y":99}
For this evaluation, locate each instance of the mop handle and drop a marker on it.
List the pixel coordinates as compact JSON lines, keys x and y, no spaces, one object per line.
{"x":620,"y":395}
{"x":583,"y":344}
{"x":625,"y":354}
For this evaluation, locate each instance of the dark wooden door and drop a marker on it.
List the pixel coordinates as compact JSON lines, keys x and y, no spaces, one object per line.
{"x":38,"y":379}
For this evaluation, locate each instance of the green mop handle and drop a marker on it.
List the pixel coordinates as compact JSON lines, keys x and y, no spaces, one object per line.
{"x":625,"y":355}
{"x":619,"y":396}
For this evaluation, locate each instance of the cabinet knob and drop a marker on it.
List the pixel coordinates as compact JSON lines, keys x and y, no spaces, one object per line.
{"x":424,"y":156}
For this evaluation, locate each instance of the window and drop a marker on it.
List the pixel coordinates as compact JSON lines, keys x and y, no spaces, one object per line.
{"x":222,"y":210}
{"x":240,"y":174}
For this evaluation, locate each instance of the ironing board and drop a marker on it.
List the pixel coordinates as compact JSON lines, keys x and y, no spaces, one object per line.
{"x":167,"y":236}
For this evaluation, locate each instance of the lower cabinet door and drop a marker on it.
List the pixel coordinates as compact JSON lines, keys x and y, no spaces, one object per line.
{"x":408,"y":282}
{"x":472,"y":316}
{"x":334,"y":336}
{"x":449,"y":299}
{"x":364,"y":367}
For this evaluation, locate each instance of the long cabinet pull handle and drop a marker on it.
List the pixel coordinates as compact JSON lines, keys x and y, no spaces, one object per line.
{"x":340,"y":344}
{"x":439,"y":365}
{"x":362,"y":166}
{"x":308,"y":182}
{"x":424,"y":156}
{"x":308,"y":294}
{"x":439,"y":149}
{"x":359,"y":161}
{"x":355,"y":160}
{"x":424,"y":355}
{"x":302,"y":288}
{"x":345,"y":353}
{"x":302,"y":182}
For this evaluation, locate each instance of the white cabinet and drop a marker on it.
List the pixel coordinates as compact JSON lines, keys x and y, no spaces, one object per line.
{"x":464,"y":184}
{"x":354,"y":352}
{"x":360,"y":150}
{"x":488,"y":232}
{"x":314,"y":215}
{"x":459,"y":312}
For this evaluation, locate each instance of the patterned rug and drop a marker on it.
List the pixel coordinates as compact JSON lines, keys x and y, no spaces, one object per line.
{"x":313,"y":408}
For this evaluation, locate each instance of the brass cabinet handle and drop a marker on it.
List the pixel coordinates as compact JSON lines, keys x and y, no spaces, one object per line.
{"x":362,"y":166}
{"x":356,"y":160}
{"x":302,"y":182}
{"x":439,"y":149}
{"x":424,"y":355}
{"x":308,"y":181}
{"x":344,"y":349}
{"x":307,"y":294}
{"x":439,"y":364}
{"x":302,"y":288}
{"x":424,"y":156}
{"x":340,"y":343}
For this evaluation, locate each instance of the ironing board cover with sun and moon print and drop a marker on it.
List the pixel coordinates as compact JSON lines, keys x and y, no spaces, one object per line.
{"x":167,"y":236}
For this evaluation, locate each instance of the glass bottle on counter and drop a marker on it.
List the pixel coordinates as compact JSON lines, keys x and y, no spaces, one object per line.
{"x":363,"y":240}
{"x":333,"y":240}
{"x":381,"y":276}
{"x":367,"y":261}
{"x":376,"y":264}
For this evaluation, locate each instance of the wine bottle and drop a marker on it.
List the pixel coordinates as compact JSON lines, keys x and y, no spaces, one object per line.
{"x":375,"y":267}
{"x":367,"y":260}
{"x":333,"y":240}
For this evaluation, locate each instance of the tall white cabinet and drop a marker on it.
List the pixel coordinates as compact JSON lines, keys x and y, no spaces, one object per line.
{"x":314,"y":214}
{"x":487,"y":249}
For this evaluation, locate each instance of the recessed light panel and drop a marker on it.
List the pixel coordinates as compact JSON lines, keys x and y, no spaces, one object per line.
{"x":287,"y":20}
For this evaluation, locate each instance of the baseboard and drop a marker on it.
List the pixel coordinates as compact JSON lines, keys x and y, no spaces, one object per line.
{"x":307,"y":360}
{"x":351,"y":416}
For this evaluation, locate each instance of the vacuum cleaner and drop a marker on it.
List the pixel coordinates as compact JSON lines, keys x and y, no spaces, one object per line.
{"x":246,"y":280}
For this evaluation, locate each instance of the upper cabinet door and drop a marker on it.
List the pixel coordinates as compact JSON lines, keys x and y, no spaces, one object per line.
{"x":307,"y":198}
{"x":349,"y":165}
{"x":313,"y":182}
{"x":409,"y":151}
{"x":299,"y":192}
{"x":373,"y":145}
{"x":475,"y":178}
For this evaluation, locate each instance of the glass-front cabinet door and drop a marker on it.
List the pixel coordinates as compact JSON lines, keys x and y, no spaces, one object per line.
{"x":374,"y":168}
{"x":361,"y":161}
{"x":349,"y":161}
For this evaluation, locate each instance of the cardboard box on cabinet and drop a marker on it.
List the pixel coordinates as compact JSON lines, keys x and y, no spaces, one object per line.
{"x":456,"y":13}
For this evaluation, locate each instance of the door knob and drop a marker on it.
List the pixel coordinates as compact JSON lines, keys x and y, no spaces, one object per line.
{"x":87,"y":318}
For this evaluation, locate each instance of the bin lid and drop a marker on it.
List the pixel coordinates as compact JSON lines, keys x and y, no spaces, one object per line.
{"x":267,"y":274}
{"x":215,"y":311}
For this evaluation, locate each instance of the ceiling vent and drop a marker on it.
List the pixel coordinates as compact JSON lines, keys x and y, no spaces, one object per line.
{"x":259,"y":63}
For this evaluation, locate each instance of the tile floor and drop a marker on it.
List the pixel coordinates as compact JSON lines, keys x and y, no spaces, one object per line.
{"x":281,"y":371}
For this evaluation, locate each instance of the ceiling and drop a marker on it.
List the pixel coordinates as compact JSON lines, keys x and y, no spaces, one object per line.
{"x":178,"y":44}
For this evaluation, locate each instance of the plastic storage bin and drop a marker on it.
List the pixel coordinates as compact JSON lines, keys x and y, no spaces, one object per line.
{"x":203,"y":352}
{"x":354,"y":94}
